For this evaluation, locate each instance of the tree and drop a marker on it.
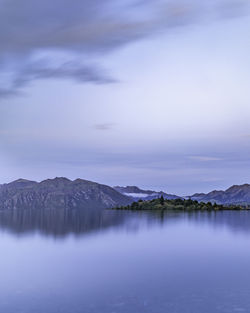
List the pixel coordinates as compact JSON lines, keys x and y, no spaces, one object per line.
{"x":161,"y":200}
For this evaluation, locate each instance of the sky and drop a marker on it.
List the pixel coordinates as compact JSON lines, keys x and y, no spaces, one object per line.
{"x":134,"y":92}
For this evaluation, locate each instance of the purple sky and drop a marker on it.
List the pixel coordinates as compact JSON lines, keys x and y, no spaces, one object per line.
{"x":148,"y":93}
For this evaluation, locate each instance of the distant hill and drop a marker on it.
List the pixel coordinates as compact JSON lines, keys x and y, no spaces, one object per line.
{"x":237,"y":194}
{"x":59,"y":192}
{"x":136,"y":193}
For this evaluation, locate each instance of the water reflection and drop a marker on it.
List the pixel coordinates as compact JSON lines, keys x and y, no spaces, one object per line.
{"x":60,"y":223}
{"x":233,"y":221}
{"x":132,"y":262}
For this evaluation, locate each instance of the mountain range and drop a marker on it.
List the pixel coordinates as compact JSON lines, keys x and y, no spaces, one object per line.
{"x":62,"y":192}
{"x":136,"y":193}
{"x":237,"y":194}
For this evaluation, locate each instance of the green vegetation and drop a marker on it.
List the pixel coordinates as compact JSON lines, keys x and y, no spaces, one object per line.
{"x":177,"y":204}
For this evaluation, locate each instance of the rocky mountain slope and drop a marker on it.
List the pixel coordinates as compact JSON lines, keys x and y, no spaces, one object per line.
{"x":237,"y":194}
{"x":59,"y":192}
{"x":136,"y":193}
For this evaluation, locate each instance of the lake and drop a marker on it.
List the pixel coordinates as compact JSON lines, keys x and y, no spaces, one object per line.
{"x":124,"y":262}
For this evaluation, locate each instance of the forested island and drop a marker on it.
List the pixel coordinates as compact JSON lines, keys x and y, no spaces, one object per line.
{"x":178,"y":204}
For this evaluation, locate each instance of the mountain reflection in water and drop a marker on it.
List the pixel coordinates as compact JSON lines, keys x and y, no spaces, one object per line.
{"x":60,"y":223}
{"x":111,"y":261}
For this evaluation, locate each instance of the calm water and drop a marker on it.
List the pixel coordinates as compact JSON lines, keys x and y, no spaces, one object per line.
{"x":119,"y":262}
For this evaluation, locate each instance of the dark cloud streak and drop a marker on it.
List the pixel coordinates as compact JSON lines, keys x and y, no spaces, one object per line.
{"x":88,"y":28}
{"x":104,"y":126}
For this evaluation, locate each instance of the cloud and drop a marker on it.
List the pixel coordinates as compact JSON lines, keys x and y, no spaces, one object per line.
{"x":75,"y":71}
{"x":232,"y":8}
{"x":8,"y":92}
{"x":104,"y":126}
{"x":86,"y":29}
{"x":204,"y":158}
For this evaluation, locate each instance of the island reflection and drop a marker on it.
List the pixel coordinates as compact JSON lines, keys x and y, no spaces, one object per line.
{"x":63,"y":222}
